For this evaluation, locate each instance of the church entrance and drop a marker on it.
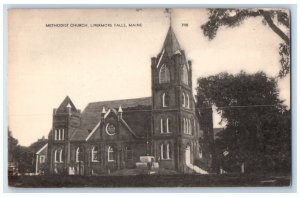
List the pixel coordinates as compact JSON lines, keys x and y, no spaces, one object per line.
{"x":79,"y":169}
{"x":188,"y":154}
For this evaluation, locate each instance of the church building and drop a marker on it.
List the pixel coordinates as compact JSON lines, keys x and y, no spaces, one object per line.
{"x":108,"y":136}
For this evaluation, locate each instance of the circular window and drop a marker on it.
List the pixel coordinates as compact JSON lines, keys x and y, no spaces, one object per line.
{"x":110,"y":129}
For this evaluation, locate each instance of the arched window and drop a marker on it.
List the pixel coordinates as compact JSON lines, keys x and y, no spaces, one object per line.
{"x":184,"y":74}
{"x":162,"y":151}
{"x":95,"y":154}
{"x":42,"y":159}
{"x":188,"y":154}
{"x":164,"y":74}
{"x":190,"y":127}
{"x":165,"y":100}
{"x":165,"y":125}
{"x":55,"y":134}
{"x":200,"y":153}
{"x":77,"y":155}
{"x":187,"y":126}
{"x":184,"y":125}
{"x":60,"y":155}
{"x":168,"y":151}
{"x":59,"y":134}
{"x":110,"y":154}
{"x":128,"y":152}
{"x":183,"y":99}
{"x":56,"y":157}
{"x":165,"y":151}
{"x":187,"y":101}
{"x":161,"y":125}
{"x":168,"y":125}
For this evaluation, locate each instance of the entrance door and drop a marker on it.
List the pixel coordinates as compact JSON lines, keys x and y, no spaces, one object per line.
{"x":188,"y":154}
{"x":79,"y":170}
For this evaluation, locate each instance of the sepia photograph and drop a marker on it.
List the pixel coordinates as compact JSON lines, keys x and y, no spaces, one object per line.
{"x":149,"y":97}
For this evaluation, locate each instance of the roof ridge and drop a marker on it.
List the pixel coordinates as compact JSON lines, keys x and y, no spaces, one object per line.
{"x":149,"y":97}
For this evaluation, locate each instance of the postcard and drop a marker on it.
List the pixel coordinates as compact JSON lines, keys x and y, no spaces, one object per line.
{"x":149,"y":97}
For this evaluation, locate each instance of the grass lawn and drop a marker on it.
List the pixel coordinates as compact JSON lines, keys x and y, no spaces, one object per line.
{"x":132,"y":178}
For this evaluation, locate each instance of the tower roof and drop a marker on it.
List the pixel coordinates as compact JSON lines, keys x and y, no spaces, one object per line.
{"x":66,"y":103}
{"x":171,"y":44}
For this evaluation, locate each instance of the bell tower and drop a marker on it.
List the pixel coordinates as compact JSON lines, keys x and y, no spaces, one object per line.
{"x":66,"y":118}
{"x":175,"y":131}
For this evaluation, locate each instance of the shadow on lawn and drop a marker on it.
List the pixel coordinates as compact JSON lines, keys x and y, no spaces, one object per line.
{"x":155,"y":180}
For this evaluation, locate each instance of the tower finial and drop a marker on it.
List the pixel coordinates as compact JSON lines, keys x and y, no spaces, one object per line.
{"x":169,"y":15}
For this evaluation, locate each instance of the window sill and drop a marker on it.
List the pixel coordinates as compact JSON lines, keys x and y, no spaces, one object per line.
{"x":111,"y":160}
{"x":95,"y":161}
{"x":167,"y":159}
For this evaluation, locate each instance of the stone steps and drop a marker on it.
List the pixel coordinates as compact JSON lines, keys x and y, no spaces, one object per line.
{"x":196,"y":169}
{"x":145,"y":161}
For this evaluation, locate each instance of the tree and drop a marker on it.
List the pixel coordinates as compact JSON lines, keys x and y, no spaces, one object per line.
{"x":257,"y":123}
{"x":22,"y":156}
{"x":12,"y":146}
{"x":25,"y":159}
{"x":276,"y":19}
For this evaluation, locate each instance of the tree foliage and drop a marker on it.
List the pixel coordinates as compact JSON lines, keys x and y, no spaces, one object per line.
{"x":12,"y":147}
{"x":257,"y":129}
{"x":276,"y":19}
{"x":22,"y":156}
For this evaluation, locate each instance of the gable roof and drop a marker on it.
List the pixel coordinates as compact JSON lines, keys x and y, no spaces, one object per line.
{"x":96,"y":135}
{"x":67,"y":102}
{"x":171,"y":44}
{"x":46,"y":145}
{"x":96,"y":127}
{"x":134,"y":111}
{"x":138,"y":119}
{"x":36,"y":146}
{"x":125,"y":103}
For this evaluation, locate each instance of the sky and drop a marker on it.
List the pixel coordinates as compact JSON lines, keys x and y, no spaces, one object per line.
{"x":45,"y":64}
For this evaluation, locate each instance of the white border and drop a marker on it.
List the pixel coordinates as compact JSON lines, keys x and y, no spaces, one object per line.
{"x":159,"y":3}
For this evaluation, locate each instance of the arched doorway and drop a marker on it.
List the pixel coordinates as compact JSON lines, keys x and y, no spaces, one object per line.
{"x":79,"y":158}
{"x":188,"y":154}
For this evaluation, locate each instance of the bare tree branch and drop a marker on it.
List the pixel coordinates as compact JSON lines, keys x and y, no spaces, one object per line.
{"x":278,"y":31}
{"x":234,"y":17}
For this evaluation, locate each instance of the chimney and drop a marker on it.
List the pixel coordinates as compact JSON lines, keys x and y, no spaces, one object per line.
{"x":120,"y":112}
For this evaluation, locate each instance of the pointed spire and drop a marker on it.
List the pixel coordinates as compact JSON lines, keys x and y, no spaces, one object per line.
{"x":168,"y":11}
{"x":120,"y":109}
{"x":171,"y":44}
{"x":67,"y":103}
{"x":103,"y":110}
